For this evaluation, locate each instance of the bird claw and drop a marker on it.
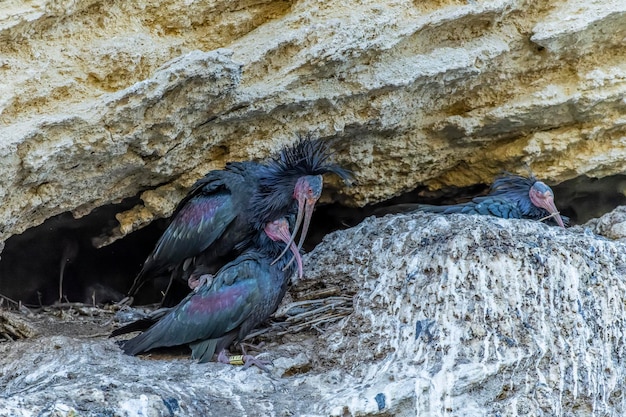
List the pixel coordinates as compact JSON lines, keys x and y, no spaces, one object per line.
{"x":249,"y":360}
{"x":195,"y":283}
{"x":245,"y":360}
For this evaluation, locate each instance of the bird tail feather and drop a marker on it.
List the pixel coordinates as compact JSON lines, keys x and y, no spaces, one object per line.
{"x":136,"y":326}
{"x":204,"y":350}
{"x":159,"y":335}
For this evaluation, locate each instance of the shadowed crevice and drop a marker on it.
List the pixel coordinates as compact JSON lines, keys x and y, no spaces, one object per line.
{"x":580,"y":199}
{"x":31,"y":263}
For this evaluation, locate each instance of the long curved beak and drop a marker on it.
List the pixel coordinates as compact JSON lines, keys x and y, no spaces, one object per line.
{"x":292,"y":238}
{"x":548,"y":204}
{"x":282,"y":233}
{"x":542,"y":196}
{"x":308,"y":213}
{"x":307,"y":191}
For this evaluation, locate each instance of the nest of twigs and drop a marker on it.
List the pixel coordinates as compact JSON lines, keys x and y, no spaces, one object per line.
{"x":308,"y":309}
{"x":13,"y":327}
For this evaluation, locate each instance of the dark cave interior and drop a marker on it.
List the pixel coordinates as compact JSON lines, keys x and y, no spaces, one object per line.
{"x":32,"y":263}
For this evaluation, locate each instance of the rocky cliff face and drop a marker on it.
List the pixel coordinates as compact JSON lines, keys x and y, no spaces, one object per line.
{"x":458,"y":316}
{"x":448,"y":316}
{"x":106,"y":100}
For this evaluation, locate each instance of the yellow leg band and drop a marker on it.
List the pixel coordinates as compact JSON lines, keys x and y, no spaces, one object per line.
{"x":236,"y":360}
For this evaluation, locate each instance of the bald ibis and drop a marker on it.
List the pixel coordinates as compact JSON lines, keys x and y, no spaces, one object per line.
{"x":510,"y":197}
{"x":242,"y":294}
{"x":218,"y":217}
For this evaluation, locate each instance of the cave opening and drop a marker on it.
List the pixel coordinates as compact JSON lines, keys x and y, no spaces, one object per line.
{"x":57,"y":260}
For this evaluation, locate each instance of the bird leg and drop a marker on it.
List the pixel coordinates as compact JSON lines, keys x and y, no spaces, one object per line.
{"x":245,"y":360}
{"x":250,"y":360}
{"x":196,"y":282}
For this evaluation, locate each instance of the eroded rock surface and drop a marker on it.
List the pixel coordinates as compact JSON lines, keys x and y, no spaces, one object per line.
{"x":106,"y":100}
{"x":611,"y":225}
{"x":453,"y":315}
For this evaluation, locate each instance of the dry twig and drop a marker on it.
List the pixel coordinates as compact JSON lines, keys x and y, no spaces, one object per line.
{"x":13,"y":327}
{"x":314,"y":310}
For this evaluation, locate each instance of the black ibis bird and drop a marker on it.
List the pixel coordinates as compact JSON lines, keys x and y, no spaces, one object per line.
{"x":217,"y":218}
{"x":242,"y":294}
{"x":510,"y":197}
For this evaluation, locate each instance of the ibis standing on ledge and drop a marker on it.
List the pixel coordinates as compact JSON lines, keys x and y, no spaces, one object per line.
{"x":217,"y":218}
{"x":242,"y":294}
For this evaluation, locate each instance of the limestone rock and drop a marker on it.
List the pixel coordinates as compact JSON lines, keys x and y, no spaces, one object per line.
{"x":498,"y":318}
{"x":102,"y":101}
{"x":611,"y":225}
{"x":453,"y":315}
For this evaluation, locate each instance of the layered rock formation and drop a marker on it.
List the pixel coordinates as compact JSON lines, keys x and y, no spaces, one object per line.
{"x":611,"y":225}
{"x":105,"y":100}
{"x":459,"y":316}
{"x":452,"y":316}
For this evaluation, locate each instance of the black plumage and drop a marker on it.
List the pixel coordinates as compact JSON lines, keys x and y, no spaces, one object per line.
{"x":244,"y":293}
{"x":510,"y":197}
{"x":219,"y":215}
